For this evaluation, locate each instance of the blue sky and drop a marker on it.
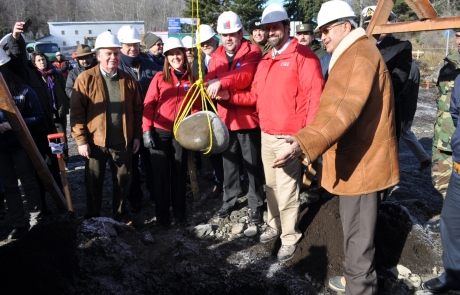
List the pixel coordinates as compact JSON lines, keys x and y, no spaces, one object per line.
{"x":275,"y":1}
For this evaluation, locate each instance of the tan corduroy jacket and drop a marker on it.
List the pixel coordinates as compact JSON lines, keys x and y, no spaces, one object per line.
{"x":88,"y":105}
{"x":354,"y":128}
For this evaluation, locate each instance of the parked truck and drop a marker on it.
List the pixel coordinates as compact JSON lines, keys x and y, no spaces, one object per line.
{"x":48,"y":48}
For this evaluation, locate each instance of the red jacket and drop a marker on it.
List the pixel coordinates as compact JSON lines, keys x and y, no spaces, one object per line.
{"x":236,"y":116}
{"x":287,"y":90}
{"x":163,"y":101}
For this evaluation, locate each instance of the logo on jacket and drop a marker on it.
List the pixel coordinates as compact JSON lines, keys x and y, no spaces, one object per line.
{"x":227,"y":25}
{"x":285,"y":64}
{"x":186,"y":87}
{"x":238,"y":65}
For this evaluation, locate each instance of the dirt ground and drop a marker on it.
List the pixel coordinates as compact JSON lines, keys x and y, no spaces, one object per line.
{"x":100,"y":256}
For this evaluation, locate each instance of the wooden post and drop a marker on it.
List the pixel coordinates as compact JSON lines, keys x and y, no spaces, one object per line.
{"x":22,"y":133}
{"x":193,"y":178}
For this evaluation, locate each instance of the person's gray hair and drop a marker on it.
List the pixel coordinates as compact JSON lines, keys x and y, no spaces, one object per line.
{"x":352,"y":22}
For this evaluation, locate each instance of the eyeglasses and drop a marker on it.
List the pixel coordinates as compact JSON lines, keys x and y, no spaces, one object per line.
{"x":326,"y":31}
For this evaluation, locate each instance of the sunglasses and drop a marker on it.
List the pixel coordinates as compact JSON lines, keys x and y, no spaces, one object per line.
{"x":326,"y":31}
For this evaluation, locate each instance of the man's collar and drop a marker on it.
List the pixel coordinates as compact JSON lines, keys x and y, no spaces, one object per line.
{"x":105,"y":74}
{"x":283,"y":48}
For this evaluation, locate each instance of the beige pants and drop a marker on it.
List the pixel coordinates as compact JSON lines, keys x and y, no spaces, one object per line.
{"x":282,"y":190}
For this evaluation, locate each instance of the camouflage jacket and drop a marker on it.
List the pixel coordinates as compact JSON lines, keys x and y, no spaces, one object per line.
{"x":318,"y":49}
{"x":443,"y":126}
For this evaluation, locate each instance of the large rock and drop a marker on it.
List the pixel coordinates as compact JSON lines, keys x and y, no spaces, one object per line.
{"x":193,"y":133}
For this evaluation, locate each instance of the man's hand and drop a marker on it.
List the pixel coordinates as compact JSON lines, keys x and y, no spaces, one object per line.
{"x":84,"y":150}
{"x":18,"y":29}
{"x":136,"y":145}
{"x":5,"y":127}
{"x":290,"y":154}
{"x":213,"y":87}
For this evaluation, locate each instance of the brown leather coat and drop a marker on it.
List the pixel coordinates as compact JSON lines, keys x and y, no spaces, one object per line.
{"x":88,"y":105}
{"x":354,"y":128}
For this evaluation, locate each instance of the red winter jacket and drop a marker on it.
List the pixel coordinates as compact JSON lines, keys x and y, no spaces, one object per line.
{"x":163,"y":101}
{"x":287,"y":90}
{"x":235,"y":115}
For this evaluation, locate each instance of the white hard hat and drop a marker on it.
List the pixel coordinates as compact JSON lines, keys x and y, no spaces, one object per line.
{"x":172,"y":43}
{"x":4,"y":58}
{"x":228,"y":22}
{"x":273,"y":13}
{"x":128,"y":35}
{"x":206,"y":33}
{"x":58,"y":53}
{"x":107,"y":40}
{"x":188,"y":42}
{"x":334,"y":10}
{"x":368,"y":13}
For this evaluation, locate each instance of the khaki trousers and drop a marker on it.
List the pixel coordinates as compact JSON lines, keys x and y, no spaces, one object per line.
{"x":282,"y":190}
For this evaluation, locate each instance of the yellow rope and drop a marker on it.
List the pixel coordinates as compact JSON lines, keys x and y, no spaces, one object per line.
{"x":197,"y":88}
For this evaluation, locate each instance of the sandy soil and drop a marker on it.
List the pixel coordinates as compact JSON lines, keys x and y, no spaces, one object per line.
{"x":100,"y":256}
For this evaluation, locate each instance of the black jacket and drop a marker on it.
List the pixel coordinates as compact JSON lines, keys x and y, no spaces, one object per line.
{"x":398,"y":58}
{"x":73,"y":74}
{"x":148,"y":69}
{"x":409,"y":95}
{"x":32,"y":113}
{"x":28,"y":73}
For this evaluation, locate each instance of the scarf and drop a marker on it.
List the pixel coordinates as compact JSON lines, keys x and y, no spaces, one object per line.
{"x":132,"y":62}
{"x":48,"y":76}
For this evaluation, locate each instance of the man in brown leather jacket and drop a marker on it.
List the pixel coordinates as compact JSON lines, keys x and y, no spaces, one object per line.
{"x":354,"y":131}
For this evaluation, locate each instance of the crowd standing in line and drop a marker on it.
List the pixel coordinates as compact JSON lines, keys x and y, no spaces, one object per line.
{"x":124,"y":104}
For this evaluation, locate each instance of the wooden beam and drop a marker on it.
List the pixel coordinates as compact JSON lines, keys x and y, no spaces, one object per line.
{"x":22,"y":133}
{"x":417,"y":26}
{"x":380,"y":17}
{"x":422,"y":8}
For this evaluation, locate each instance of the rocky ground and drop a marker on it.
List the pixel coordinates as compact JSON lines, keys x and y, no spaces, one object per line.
{"x":222,"y":256}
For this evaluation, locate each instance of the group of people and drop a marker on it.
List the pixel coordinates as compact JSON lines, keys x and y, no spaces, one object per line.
{"x":286,"y":102}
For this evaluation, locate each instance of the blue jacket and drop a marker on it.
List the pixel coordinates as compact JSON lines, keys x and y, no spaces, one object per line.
{"x":148,"y":70}
{"x":33,"y":115}
{"x":454,"y":112}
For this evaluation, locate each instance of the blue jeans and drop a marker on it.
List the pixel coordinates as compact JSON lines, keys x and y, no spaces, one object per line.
{"x":450,"y":234}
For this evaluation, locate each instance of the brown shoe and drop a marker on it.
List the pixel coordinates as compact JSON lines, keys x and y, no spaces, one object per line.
{"x":425,"y":164}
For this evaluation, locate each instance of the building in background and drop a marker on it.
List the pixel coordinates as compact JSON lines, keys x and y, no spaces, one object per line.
{"x":70,"y":34}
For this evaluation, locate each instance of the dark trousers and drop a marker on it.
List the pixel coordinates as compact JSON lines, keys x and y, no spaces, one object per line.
{"x":247,"y":144}
{"x":218,"y":168}
{"x":450,"y":234}
{"x":61,"y":126}
{"x":359,"y":217}
{"x":53,"y":165}
{"x":120,"y":166}
{"x":169,"y":163}
{"x":135,"y":192}
{"x":16,"y":164}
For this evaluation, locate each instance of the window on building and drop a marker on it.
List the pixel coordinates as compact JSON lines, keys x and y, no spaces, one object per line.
{"x":64,"y":43}
{"x":78,"y":42}
{"x":76,"y":32}
{"x":90,"y":32}
{"x":62,"y":32}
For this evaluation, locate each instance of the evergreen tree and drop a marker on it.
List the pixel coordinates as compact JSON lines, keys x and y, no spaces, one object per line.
{"x":292,"y":8}
{"x":210,"y":10}
{"x":308,"y":9}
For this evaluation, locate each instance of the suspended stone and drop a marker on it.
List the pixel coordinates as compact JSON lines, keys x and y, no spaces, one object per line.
{"x":193,"y":133}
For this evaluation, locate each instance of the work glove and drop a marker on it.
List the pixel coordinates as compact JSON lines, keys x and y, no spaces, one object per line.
{"x":149,"y":142}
